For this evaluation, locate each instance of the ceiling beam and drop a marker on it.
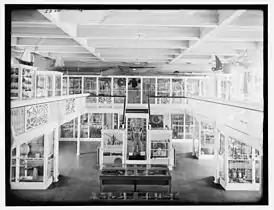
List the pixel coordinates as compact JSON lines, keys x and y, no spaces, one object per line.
{"x":71,"y":30}
{"x":224,"y":21}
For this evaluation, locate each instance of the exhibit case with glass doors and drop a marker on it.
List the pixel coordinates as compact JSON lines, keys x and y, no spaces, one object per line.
{"x":32,"y":162}
{"x":238,"y":164}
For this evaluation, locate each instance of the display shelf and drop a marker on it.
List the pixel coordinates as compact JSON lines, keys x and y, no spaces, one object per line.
{"x":177,"y":125}
{"x":15,"y":83}
{"x":28,"y":81}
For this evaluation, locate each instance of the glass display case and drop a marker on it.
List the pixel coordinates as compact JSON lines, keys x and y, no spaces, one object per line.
{"x":136,"y":138}
{"x":95,"y":126}
{"x":58,"y":85}
{"x":177,"y":125}
{"x":188,"y":126}
{"x":134,"y":90}
{"x":67,"y":130}
{"x":22,"y":81}
{"x":148,"y":90}
{"x":163,"y":89}
{"x":239,"y":165}
{"x":178,"y":89}
{"x":32,"y":163}
{"x":90,"y":86}
{"x":192,"y":87}
{"x":84,"y":126}
{"x":65,"y":86}
{"x":119,"y":89}
{"x":15,"y":83}
{"x":75,"y":85}
{"x":196,"y":137}
{"x":159,"y":148}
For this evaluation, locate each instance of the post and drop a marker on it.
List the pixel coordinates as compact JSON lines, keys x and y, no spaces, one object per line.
{"x":78,"y":136}
{"x":56,"y":154}
{"x":216,"y":146}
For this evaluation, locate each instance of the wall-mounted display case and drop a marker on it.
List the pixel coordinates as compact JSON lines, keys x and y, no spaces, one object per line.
{"x":134,"y":90}
{"x":28,"y":83}
{"x":239,"y":165}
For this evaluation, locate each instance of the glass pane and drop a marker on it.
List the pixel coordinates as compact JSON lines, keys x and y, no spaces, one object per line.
{"x":240,"y":171}
{"x":50,"y":167}
{"x":65,"y":85}
{"x":178,"y":89}
{"x":192,"y":87}
{"x":14,"y":86}
{"x":119,"y":89}
{"x":57,"y":85}
{"x":90,"y":86}
{"x":134,"y":90}
{"x":159,"y":149}
{"x":115,"y":121}
{"x":40,"y":86}
{"x":67,"y":130}
{"x":84,"y":126}
{"x":75,"y":128}
{"x":13,"y":173}
{"x":177,"y":124}
{"x":136,"y":139}
{"x":238,"y":150}
{"x":163,"y":89}
{"x":148,"y":89}
{"x":28,"y":80}
{"x":95,"y":122}
{"x":49,"y":85}
{"x":75,"y":85}
{"x":257,"y":171}
{"x":108,"y":121}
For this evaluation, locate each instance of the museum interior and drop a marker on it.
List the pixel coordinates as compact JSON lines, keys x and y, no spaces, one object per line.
{"x":143,"y":105}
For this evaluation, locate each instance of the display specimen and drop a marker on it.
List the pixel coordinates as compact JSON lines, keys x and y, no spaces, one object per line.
{"x":75,"y":85}
{"x":163,"y":89}
{"x":134,"y":90}
{"x":95,"y":128}
{"x":148,"y":90}
{"x":90,"y":86}
{"x":156,"y":121}
{"x":178,"y":89}
{"x":136,"y":138}
{"x":108,"y":121}
{"x":119,"y":89}
{"x":177,"y":124}
{"x":112,"y":139}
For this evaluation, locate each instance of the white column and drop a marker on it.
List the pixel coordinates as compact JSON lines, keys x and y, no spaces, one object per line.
{"x":46,"y":154}
{"x":156,"y":88}
{"x":253,"y":165}
{"x":53,"y":85}
{"x":199,"y":138}
{"x":184,"y":125}
{"x":82,"y":84}
{"x":56,"y":155}
{"x":193,"y":136}
{"x":78,"y":136}
{"x":17,"y":174}
{"x":170,"y":90}
{"x":67,"y":85}
{"x":141,"y":89}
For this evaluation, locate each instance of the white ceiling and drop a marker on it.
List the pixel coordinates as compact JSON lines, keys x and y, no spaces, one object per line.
{"x":169,"y":40}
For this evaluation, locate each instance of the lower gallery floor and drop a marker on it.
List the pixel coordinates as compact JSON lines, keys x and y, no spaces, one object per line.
{"x":191,"y":178}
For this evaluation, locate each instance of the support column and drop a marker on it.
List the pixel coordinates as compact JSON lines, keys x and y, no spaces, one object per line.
{"x":78,"y":136}
{"x":199,"y":138}
{"x":56,"y":154}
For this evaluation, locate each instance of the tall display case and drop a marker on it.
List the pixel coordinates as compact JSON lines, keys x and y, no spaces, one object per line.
{"x":112,"y":147}
{"x":160,"y":147}
{"x":238,"y":164}
{"x":22,"y":81}
{"x":32,"y":163}
{"x":28,"y":83}
{"x":204,"y":133}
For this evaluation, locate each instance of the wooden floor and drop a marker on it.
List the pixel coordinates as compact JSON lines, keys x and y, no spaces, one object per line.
{"x":192,"y":178}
